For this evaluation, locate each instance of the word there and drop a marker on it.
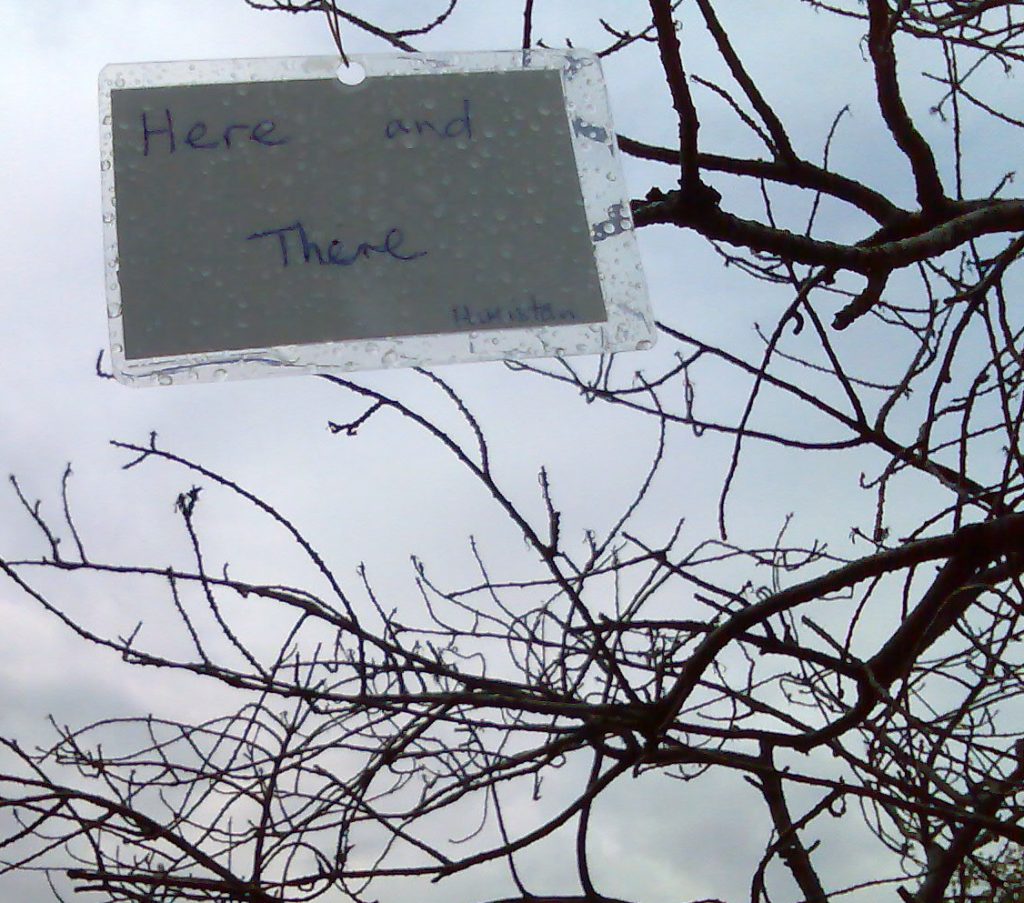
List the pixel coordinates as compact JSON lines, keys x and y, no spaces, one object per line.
{"x":334,"y":253}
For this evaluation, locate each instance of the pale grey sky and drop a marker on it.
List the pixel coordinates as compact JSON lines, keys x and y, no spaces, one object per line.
{"x":390,"y":492}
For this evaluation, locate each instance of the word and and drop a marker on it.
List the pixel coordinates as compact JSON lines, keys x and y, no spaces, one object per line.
{"x":198,"y":136}
{"x":453,"y":128}
{"x":504,"y":315}
{"x":334,"y":254}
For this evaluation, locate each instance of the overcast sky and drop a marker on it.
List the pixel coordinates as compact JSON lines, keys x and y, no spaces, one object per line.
{"x":389,"y":493}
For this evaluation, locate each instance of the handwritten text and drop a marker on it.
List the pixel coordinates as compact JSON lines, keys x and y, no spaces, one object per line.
{"x":198,"y":136}
{"x":453,"y":128}
{"x":513,"y":314}
{"x":334,"y":253}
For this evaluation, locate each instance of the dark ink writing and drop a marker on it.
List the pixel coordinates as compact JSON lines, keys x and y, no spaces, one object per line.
{"x":162,"y":127}
{"x":531,"y":314}
{"x":453,"y":128}
{"x":333,"y":254}
{"x":195,"y":136}
{"x":147,"y":132}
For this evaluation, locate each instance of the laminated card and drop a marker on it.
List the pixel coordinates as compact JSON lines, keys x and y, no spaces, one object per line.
{"x":263,"y":216}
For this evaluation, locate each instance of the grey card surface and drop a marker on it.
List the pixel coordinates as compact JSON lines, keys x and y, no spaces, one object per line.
{"x":262,"y":216}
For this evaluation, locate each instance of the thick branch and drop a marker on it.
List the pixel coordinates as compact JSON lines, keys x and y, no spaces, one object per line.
{"x":967,"y":221}
{"x":926,"y":175}
{"x":791,"y":849}
{"x":686,"y":113}
{"x":995,"y":537}
{"x":798,"y":173}
{"x":943,"y":866}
